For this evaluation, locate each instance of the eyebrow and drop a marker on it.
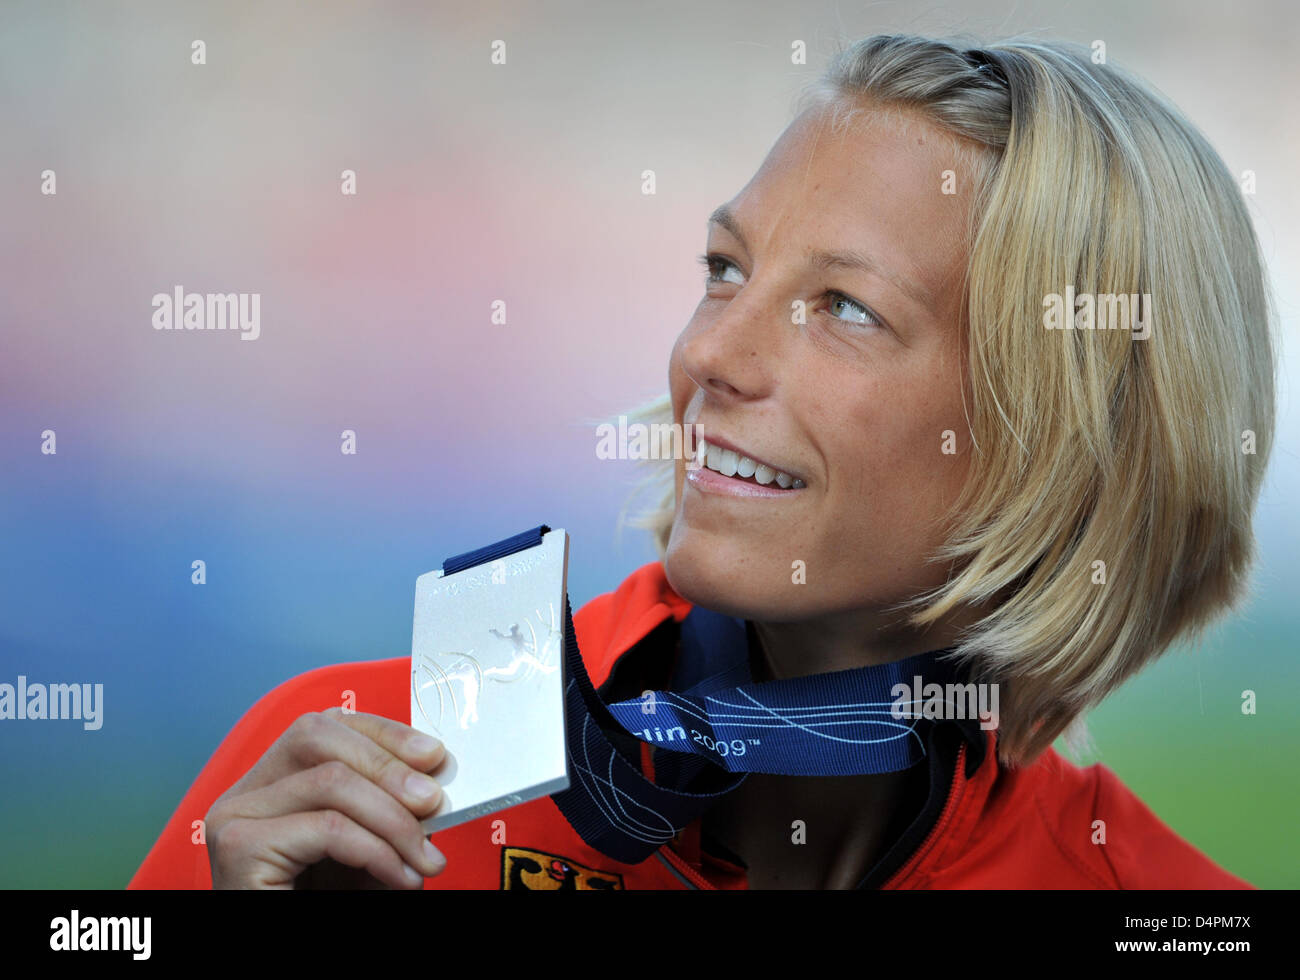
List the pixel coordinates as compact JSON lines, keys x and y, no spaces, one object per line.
{"x":723,"y":217}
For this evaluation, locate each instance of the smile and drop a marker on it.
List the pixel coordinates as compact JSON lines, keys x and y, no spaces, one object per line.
{"x":717,"y":470}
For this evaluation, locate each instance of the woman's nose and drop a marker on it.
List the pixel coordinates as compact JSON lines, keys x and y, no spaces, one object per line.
{"x":732,"y":353}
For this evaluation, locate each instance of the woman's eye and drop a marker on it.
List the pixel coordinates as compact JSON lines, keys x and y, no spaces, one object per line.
{"x":716,"y":267}
{"x":858,"y":313}
{"x":722,"y":270}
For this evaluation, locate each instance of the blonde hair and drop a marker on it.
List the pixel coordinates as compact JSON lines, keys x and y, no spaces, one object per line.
{"x":1088,"y":445}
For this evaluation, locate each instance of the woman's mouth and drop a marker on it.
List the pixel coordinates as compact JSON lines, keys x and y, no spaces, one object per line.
{"x":714,"y":469}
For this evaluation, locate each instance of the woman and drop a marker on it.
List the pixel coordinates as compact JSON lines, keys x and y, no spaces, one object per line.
{"x":983,"y":366}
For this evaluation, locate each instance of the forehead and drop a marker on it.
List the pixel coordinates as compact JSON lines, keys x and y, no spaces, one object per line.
{"x":876,"y":184}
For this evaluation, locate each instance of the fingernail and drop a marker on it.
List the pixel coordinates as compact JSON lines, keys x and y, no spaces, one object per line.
{"x":413,"y":876}
{"x":434,"y":855}
{"x":422,"y":787}
{"x":422,"y":744}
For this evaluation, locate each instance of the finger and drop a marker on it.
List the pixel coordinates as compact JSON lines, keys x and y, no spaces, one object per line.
{"x":329,"y":875}
{"x":318,"y":737}
{"x":417,"y":749}
{"x":335,"y":786}
{"x":276,"y":851}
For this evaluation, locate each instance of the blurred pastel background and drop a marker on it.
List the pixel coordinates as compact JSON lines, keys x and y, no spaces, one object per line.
{"x":476,"y":182}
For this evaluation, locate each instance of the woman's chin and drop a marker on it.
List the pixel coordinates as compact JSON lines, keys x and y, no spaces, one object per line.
{"x":716,"y":586}
{"x":697,"y":584}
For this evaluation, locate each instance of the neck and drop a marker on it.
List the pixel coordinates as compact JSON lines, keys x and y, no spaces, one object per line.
{"x":843,"y":641}
{"x":856,"y":817}
{"x":848,"y":824}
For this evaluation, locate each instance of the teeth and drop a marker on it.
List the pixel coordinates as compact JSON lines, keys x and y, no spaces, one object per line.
{"x":728,"y":462}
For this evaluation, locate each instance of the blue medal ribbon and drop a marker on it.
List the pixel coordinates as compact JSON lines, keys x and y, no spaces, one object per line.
{"x":716,"y":725}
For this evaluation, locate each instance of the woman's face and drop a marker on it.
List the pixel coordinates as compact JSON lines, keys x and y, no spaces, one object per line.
{"x":854,"y":401}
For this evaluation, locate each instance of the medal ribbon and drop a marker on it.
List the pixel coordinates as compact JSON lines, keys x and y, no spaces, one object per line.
{"x":716,"y":725}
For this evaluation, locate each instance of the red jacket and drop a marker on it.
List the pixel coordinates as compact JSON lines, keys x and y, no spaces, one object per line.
{"x":992,"y":827}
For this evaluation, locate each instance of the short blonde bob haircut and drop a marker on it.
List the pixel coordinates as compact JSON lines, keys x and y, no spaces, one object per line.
{"x":1113,"y":476}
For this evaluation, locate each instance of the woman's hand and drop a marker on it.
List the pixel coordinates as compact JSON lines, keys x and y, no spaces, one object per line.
{"x":335,"y":802}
